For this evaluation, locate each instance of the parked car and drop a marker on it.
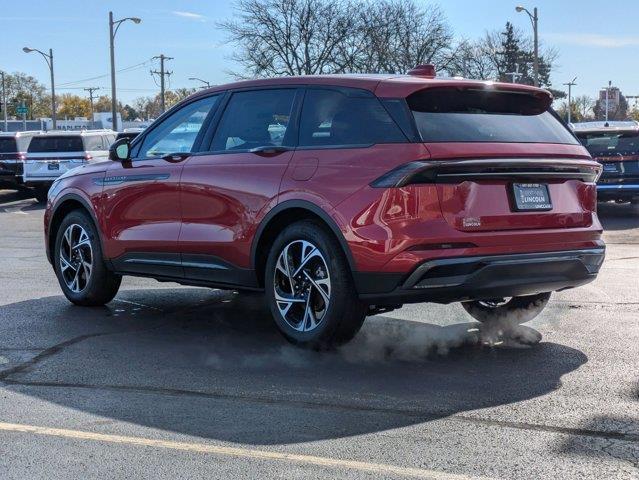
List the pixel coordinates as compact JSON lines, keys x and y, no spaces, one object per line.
{"x":13,"y":150}
{"x":50,"y":154}
{"x":340,"y":196}
{"x":616,"y":146}
{"x":129,"y":133}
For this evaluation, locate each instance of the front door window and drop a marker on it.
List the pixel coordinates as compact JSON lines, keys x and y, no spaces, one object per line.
{"x":177,"y":133}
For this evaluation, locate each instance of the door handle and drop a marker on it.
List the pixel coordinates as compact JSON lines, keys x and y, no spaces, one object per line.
{"x":269,"y":149}
{"x":176,"y":157}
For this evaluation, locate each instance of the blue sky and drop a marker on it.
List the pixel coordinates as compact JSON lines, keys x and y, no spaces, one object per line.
{"x":597,"y":41}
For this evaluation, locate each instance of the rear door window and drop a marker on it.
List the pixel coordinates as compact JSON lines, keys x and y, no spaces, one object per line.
{"x":345,"y":117}
{"x":482,"y":115}
{"x":258,"y":118}
{"x":8,"y":145}
{"x":52,"y":143}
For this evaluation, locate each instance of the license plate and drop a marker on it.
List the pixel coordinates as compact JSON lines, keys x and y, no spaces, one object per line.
{"x":611,"y":167}
{"x":531,"y":196}
{"x":53,"y":166}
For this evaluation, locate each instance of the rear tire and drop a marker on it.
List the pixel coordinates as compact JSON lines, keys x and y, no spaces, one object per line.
{"x":517,"y":310}
{"x":79,"y":264}
{"x":310,"y":289}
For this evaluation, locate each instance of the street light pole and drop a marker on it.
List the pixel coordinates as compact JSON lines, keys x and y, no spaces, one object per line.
{"x":534,"y":18}
{"x":570,"y":85}
{"x":113,"y":29}
{"x":49,"y":59}
{"x":4,"y":103}
{"x":204,"y":82}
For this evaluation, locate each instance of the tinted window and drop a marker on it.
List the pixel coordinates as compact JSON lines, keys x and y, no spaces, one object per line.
{"x":50,"y":143}
{"x":452,"y":115}
{"x":8,"y":145}
{"x":254,"y":119}
{"x":609,"y":144}
{"x":177,"y":133}
{"x":345,"y":117}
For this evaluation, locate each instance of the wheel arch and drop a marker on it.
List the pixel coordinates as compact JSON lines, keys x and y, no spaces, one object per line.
{"x":282,"y":215}
{"x":67,"y":204}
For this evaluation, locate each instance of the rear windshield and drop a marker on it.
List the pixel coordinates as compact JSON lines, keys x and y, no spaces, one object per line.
{"x":469,"y":115}
{"x":608,"y":144}
{"x":65,"y":143}
{"x":8,"y":145}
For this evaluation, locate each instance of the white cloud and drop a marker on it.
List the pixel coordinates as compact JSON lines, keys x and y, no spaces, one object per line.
{"x":594,"y":40}
{"x":189,"y":15}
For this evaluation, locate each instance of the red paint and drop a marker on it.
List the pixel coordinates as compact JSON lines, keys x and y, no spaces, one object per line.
{"x":224,"y":197}
{"x":141,"y":216}
{"x":214,"y":203}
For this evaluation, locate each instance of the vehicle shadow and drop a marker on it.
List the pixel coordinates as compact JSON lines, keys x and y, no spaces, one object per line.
{"x":618,"y":216}
{"x":21,"y":199}
{"x":211,"y":364}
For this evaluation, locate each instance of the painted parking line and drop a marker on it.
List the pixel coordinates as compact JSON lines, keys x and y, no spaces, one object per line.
{"x":254,"y":454}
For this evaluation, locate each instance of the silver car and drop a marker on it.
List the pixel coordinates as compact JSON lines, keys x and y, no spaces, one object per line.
{"x":53,"y":153}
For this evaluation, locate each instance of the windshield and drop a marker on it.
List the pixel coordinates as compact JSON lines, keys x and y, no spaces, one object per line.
{"x":609,"y":144}
{"x":65,"y":143}
{"x":472,"y":115}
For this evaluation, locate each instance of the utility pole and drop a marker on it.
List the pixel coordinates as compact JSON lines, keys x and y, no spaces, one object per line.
{"x":4,"y":104}
{"x":162,"y":73}
{"x":91,"y":90}
{"x":570,"y":85}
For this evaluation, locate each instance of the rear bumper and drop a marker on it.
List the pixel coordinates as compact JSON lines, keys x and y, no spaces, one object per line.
{"x":619,"y":191}
{"x":11,"y":171}
{"x":481,"y":277}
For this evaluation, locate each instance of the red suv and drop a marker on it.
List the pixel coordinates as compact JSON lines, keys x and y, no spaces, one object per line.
{"x":339,"y":196}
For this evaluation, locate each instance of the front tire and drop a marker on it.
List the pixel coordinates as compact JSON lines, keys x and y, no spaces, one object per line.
{"x":309,"y":288}
{"x":79,"y":265}
{"x":516,"y":310}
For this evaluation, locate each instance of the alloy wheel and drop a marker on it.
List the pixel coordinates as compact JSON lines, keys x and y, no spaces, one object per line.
{"x":76,"y":258}
{"x":302,"y":285}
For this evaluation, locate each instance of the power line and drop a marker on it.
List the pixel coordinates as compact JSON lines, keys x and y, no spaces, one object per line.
{"x":122,"y":70}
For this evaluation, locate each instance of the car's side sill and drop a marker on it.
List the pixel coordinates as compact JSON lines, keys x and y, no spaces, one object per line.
{"x":187,"y":269}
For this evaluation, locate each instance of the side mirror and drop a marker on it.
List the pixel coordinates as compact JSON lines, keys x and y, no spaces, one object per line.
{"x":120,"y":150}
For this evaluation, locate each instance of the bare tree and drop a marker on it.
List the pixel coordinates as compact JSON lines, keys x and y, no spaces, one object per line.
{"x":475,"y":59}
{"x":397,"y":35}
{"x":584,"y":105}
{"x":304,"y":37}
{"x":290,"y":37}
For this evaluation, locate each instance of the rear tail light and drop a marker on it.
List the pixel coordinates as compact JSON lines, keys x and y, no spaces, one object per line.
{"x":88,"y":157}
{"x":508,"y":169}
{"x":401,"y":176}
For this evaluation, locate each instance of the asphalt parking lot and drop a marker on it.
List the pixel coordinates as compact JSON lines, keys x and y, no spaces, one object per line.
{"x":176,"y":382}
